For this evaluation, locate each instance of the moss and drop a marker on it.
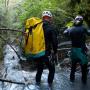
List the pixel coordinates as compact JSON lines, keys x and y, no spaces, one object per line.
{"x":1,"y":50}
{"x":1,"y":54}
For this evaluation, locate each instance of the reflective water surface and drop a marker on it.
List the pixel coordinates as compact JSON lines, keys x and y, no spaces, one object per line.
{"x":12,"y":71}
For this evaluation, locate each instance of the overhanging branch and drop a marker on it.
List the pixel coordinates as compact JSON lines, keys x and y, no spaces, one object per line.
{"x":7,"y":29}
{"x":9,"y":81}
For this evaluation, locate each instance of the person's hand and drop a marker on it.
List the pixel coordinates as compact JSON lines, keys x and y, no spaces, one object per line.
{"x":25,"y":34}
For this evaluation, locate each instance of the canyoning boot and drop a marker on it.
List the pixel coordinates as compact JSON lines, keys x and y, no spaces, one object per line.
{"x":38,"y":83}
{"x":50,"y":84}
{"x":84,"y":81}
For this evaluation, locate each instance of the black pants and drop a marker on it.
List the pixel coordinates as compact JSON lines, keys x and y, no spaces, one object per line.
{"x":83,"y":69}
{"x":40,"y":66}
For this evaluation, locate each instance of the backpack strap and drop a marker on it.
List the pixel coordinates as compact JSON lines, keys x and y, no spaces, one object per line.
{"x":30,"y":29}
{"x":36,"y":25}
{"x":27,"y":39}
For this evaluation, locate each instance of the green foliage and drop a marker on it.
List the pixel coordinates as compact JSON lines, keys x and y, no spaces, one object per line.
{"x":13,"y":13}
{"x":31,"y":8}
{"x":14,"y":16}
{"x":34,"y":8}
{"x":81,"y":7}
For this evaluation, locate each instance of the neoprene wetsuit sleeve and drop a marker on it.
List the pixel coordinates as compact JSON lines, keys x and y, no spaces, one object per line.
{"x":67,"y":32}
{"x":54,"y":41}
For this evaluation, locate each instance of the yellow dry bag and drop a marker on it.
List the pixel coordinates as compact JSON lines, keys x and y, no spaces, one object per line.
{"x":34,"y":40}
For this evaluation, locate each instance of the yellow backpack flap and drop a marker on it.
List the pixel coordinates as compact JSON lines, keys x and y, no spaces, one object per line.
{"x":69,"y":24}
{"x":35,"y":41}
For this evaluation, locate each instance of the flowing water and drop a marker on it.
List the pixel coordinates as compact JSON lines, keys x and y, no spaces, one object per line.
{"x":12,"y":71}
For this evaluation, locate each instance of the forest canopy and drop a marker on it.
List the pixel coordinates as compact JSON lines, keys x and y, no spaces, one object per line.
{"x":13,"y":13}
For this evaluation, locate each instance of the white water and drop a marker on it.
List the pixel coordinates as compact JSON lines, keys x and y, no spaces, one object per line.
{"x":12,"y":71}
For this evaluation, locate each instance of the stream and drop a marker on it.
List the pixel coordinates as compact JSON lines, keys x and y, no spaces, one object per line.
{"x":12,"y":71}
